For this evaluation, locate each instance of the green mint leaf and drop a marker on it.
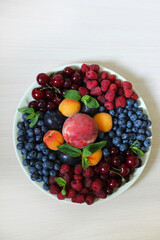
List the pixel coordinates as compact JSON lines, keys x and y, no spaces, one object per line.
{"x":90,"y":102}
{"x":92,"y":148}
{"x":133,"y":144}
{"x":73,"y":95}
{"x":63,"y":191}
{"x":26,"y":110}
{"x":137,"y":150}
{"x":61,"y":182}
{"x":69,"y":150}
{"x":34,"y":120}
{"x":30,"y":116}
{"x":85,"y":163}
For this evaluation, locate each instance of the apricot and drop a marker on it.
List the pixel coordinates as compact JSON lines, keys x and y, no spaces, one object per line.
{"x":69,"y":107}
{"x":104,"y":121}
{"x":95,"y":158}
{"x":53,"y":139}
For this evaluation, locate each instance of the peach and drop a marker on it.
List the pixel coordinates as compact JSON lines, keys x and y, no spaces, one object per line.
{"x":69,"y":107}
{"x":95,"y":158}
{"x":52,"y":139}
{"x":104,"y":121}
{"x":80,"y":130}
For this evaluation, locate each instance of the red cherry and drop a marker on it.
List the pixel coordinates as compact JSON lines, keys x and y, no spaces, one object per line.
{"x":114,"y":151}
{"x":132,"y":161}
{"x":129,"y":152}
{"x":50,"y":106}
{"x":124,"y":169}
{"x":49,"y":94}
{"x":41,"y":104}
{"x":67,"y":83}
{"x":112,"y":183}
{"x":57,"y":100}
{"x":104,"y":167}
{"x":33,"y":104}
{"x":42,"y":79}
{"x":68,"y":71}
{"x":76,"y":77}
{"x":74,"y":86}
{"x":108,"y":190}
{"x":37,"y":93}
{"x":115,"y":161}
{"x":57,"y":80}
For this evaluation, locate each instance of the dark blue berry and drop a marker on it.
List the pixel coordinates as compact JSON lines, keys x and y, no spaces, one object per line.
{"x":25,"y":162}
{"x":39,"y":138}
{"x":39,"y":179}
{"x":53,"y":173}
{"x":40,"y":172}
{"x":134,"y":109}
{"x":140,"y":114}
{"x":30,"y":132}
{"x":31,"y":140}
{"x":144,"y":124}
{"x":125,"y":111}
{"x":112,"y":112}
{"x":24,"y":116}
{"x":123,"y":147}
{"x":134,"y":129}
{"x":124,"y":136}
{"x":122,"y":115}
{"x":46,"y":151}
{"x":44,"y":158}
{"x":122,"y":121}
{"x":138,"y":123}
{"x":148,"y":133}
{"x":144,"y":149}
{"x":130,"y":113}
{"x":44,"y":129}
{"x":32,"y":170}
{"x":138,"y":144}
{"x":24,"y":152}
{"x":32,"y":163}
{"x":149,"y":123}
{"x":147,"y":143}
{"x":129,"y":107}
{"x":46,"y":186}
{"x":129,"y":124}
{"x":34,"y":177}
{"x":31,"y":155}
{"x":26,"y":124}
{"x":145,"y":117}
{"x":29,"y":146}
{"x":130,"y":101}
{"x":128,"y":130}
{"x":19,"y":146}
{"x":136,"y":104}
{"x":106,"y":152}
{"x":116,"y":140}
{"x":40,"y":123}
{"x":45,"y":179}
{"x":43,"y":146}
{"x":38,"y":147}
{"x":114,"y":128}
{"x":119,"y":132}
{"x":56,"y":166}
{"x":125,"y":141}
{"x":141,"y":130}
{"x":20,"y":125}
{"x":41,"y":115}
{"x":52,"y":156}
{"x":100,"y":135}
{"x":119,"y":110}
{"x":141,"y":137}
{"x":45,"y":172}
{"x":39,"y":156}
{"x":21,"y":139}
{"x":111,"y":134}
{"x":131,"y":141}
{"x":38,"y":165}
{"x":101,"y":109}
{"x":37,"y":131}
{"x":21,"y":132}
{"x":133,"y":117}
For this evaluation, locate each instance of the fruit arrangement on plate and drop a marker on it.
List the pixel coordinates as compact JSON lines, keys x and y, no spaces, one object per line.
{"x":84,"y":134}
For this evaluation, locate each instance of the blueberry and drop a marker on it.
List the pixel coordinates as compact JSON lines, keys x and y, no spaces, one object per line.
{"x":52,"y":156}
{"x":145,"y":117}
{"x":123,"y":147}
{"x":44,"y":165}
{"x":131,"y":141}
{"x":46,"y":186}
{"x":101,"y":109}
{"x":45,"y":179}
{"x":40,"y":123}
{"x":20,"y":125}
{"x":45,"y":172}
{"x":106,"y":152}
{"x":147,"y":143}
{"x":39,"y":179}
{"x":29,"y":146}
{"x":148,"y":133}
{"x":109,"y":143}
{"x":129,"y":107}
{"x":140,"y":114}
{"x":130,"y":136}
{"x":144,"y":124}
{"x":149,"y":123}
{"x":26,"y":124}
{"x":119,"y":110}
{"x":123,"y":126}
{"x":38,"y":147}
{"x":44,"y":129}
{"x":41,"y":115}
{"x":119,"y":132}
{"x":46,"y":151}
{"x":24,"y":116}
{"x":25,"y":162}
{"x":37,"y":131}
{"x":56,"y":166}
{"x":31,"y":140}
{"x":140,"y":137}
{"x":125,"y":141}
{"x":130,"y":113}
{"x":122,"y":121}
{"x":122,"y":115}
{"x":116,"y":140}
{"x":19,"y":146}
{"x":21,"y":139}
{"x":21,"y":132}
{"x":39,"y":138}
{"x":133,"y":117}
{"x":39,"y":156}
{"x":100,"y":135}
{"x":128,"y":130}
{"x":40,"y":172}
{"x":43,"y":146}
{"x":138,"y":144}
{"x":125,"y":111}
{"x":134,"y":109}
{"x":24,"y":152}
{"x":134,"y":136}
{"x":134,"y":129}
{"x":130,"y":101}
{"x":49,"y":164}
{"x":30,"y":132}
{"x":38,"y":165}
{"x":136,"y":104}
{"x":32,"y":170}
{"x":138,"y":123}
{"x":31,"y":155}
{"x":58,"y":161}
{"x":144,"y":149}
{"x":112,"y":112}
{"x":53,"y":173}
{"x":44,"y":158}
{"x":129,"y":124}
{"x":124,"y":136}
{"x":141,"y":130}
{"x":114,"y":128}
{"x":34,"y":177}
{"x":111,"y":134}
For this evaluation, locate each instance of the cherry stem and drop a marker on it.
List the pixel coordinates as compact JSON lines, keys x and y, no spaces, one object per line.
{"x":50,"y":88}
{"x":117,"y":169}
{"x":123,"y":179}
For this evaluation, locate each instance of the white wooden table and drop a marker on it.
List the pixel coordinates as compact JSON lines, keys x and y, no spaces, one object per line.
{"x":35,"y":37}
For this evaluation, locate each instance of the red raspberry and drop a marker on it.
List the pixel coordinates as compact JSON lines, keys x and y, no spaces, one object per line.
{"x":91,"y":75}
{"x":60,"y":196}
{"x":120,"y":102}
{"x":96,"y":169}
{"x":91,"y":84}
{"x":54,"y":189}
{"x":77,"y":185}
{"x":128,"y":92}
{"x":97,"y":185}
{"x":88,"y":172}
{"x":112,"y":78}
{"x":64,"y":168}
{"x":101,"y":98}
{"x":110,"y":95}
{"x":84,"y":68}
{"x":104,"y":85}
{"x":109,"y":105}
{"x":71,"y":193}
{"x":67,"y":176}
{"x":78,"y":169}
{"x":113,"y":87}
{"x":134,"y":96}
{"x":102,"y":194}
{"x":52,"y":180}
{"x":90,"y":199}
{"x":83,"y":91}
{"x":85,"y":79}
{"x":78,"y":199}
{"x":118,"y":83}
{"x":120,"y":91}
{"x":126,"y":85}
{"x":84,"y":191}
{"x":104,"y":75}
{"x":96,"y":91}
{"x":77,"y":177}
{"x":94,"y":67}
{"x":88,"y":182}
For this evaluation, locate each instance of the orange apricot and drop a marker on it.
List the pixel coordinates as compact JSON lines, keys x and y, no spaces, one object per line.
{"x":52,"y":139}
{"x":95,"y":158}
{"x":103,"y":121}
{"x":69,"y":107}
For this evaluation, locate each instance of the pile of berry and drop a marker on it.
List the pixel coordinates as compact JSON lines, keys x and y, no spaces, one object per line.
{"x":118,"y":118}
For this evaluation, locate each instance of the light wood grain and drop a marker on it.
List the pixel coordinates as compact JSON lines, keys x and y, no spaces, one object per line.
{"x":39,"y":35}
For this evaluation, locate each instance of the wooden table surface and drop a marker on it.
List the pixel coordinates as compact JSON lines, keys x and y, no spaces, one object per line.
{"x":35,"y":37}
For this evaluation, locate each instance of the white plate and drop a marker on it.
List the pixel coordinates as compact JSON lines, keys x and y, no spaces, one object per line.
{"x":18,"y":117}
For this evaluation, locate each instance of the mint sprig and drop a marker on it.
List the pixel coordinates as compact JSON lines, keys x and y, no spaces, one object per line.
{"x":92,"y":148}
{"x":89,"y":101}
{"x":32,"y":115}
{"x":69,"y":150}
{"x":136,"y":149}
{"x":62,"y":183}
{"x":85,"y":163}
